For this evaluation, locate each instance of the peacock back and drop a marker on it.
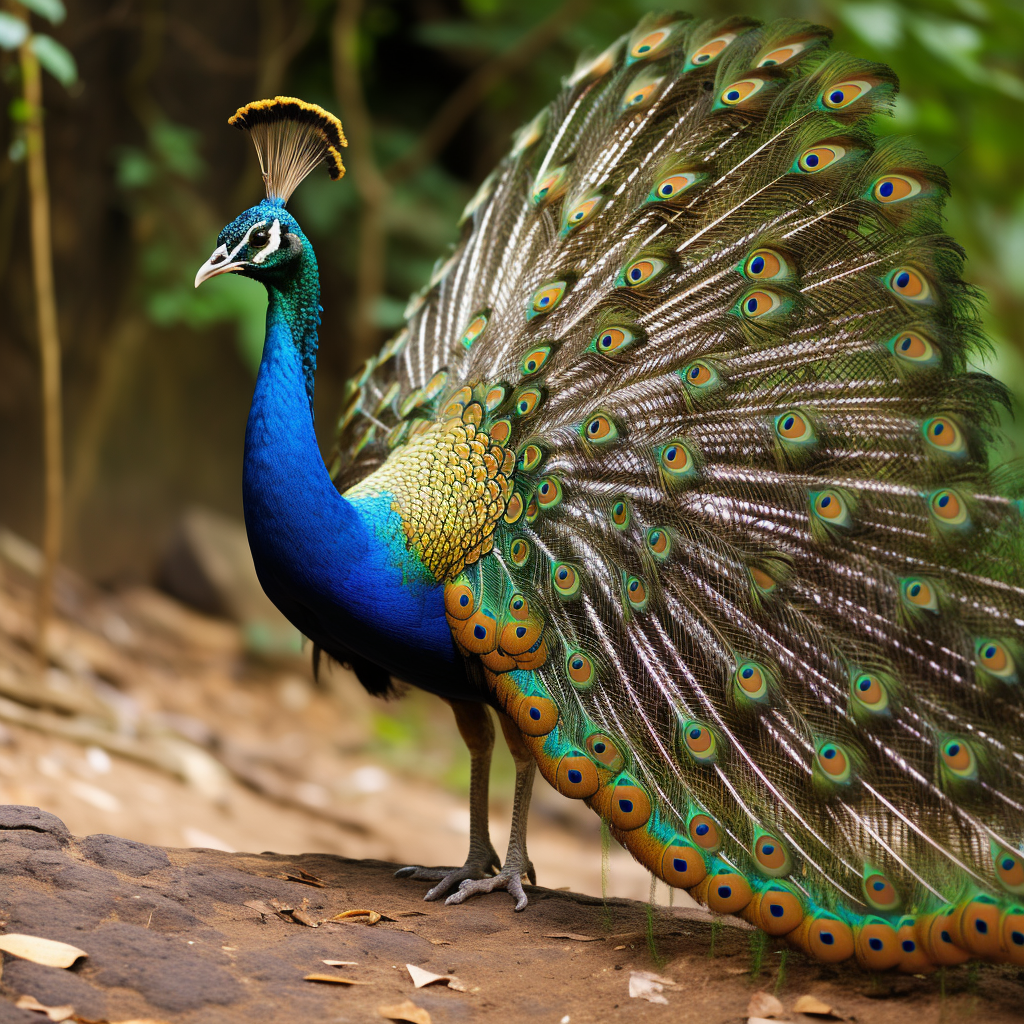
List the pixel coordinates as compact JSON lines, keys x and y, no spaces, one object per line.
{"x":685,"y":425}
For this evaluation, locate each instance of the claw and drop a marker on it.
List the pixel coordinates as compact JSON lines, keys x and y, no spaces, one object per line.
{"x":508,"y":879}
{"x":448,"y":878}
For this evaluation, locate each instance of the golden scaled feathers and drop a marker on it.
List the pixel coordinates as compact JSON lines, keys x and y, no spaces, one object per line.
{"x":291,"y":138}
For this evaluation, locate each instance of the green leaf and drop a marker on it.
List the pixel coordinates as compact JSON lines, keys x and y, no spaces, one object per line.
{"x":13,"y":31}
{"x":52,"y":10}
{"x":55,"y":58}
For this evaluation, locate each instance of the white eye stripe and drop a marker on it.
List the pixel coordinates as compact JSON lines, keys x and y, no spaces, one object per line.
{"x":272,"y":246}
{"x":245,"y":239}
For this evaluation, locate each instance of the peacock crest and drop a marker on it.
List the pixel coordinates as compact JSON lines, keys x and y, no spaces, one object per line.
{"x":733,"y":560}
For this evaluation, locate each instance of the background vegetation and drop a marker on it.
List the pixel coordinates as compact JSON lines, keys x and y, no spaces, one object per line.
{"x":144,"y":172}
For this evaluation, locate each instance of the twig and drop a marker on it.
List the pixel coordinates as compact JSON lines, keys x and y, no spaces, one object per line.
{"x":475,"y":89}
{"x":373,"y":188}
{"x":49,"y":339}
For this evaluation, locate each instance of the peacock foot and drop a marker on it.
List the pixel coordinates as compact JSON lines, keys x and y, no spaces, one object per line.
{"x":477,"y":866}
{"x":509,"y":878}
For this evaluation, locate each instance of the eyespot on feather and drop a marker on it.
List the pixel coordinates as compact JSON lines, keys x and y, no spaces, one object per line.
{"x":869,"y":692}
{"x":519,"y":552}
{"x":785,"y":52}
{"x":673,"y":186}
{"x":630,"y":805}
{"x":535,"y":359}
{"x":765,"y":265}
{"x":576,"y":777}
{"x":707,"y":52}
{"x":918,"y":593}
{"x":636,"y":593}
{"x":817,"y":158}
{"x":698,"y":741}
{"x":549,"y":492}
{"x":603,"y":749}
{"x":945,"y":436}
{"x":994,"y":657}
{"x":641,"y":91}
{"x":641,"y":272}
{"x":894,"y":188}
{"x":792,"y":427}
{"x":752,"y":681}
{"x":831,"y":509}
{"x":843,"y":94}
{"x":704,"y":831}
{"x":909,"y":284}
{"x":700,"y":377}
{"x":682,"y":865}
{"x":620,"y":513}
{"x":580,"y":213}
{"x":779,"y":911}
{"x":566,"y":579}
{"x":659,"y":543}
{"x":1009,"y":865}
{"x":759,"y":303}
{"x":525,"y":401}
{"x":531,"y":457}
{"x":741,"y":91}
{"x":834,"y":763}
{"x":473,"y":330}
{"x":958,"y":759}
{"x":879,"y":892}
{"x":459,"y":600}
{"x":580,"y":669}
{"x":612,"y":340}
{"x":677,"y":461}
{"x":599,"y":429}
{"x":914,"y":349}
{"x":545,"y":298}
{"x":772,"y":857}
{"x":550,"y":186}
{"x":949,"y":510}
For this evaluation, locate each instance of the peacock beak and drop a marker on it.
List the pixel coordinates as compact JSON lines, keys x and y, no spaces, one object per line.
{"x":218,"y":263}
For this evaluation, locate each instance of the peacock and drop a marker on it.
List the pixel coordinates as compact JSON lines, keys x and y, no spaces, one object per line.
{"x":678,"y":464}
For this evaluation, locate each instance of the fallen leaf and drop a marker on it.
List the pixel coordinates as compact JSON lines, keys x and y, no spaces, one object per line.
{"x":573,"y":936}
{"x":764,"y":1004}
{"x":766,"y":1020}
{"x":372,"y":916}
{"x":333,"y":979}
{"x":304,"y":877}
{"x":54,"y":1013}
{"x":437,"y":942}
{"x":421,"y":977}
{"x":303,"y":918}
{"x":648,"y":985}
{"x":407,"y":1011}
{"x":340,"y":963}
{"x":41,"y":951}
{"x":260,"y":907}
{"x":814,"y":1006}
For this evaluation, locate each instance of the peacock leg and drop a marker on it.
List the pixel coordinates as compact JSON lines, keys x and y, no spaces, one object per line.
{"x":517,"y":861}
{"x":477,"y":729}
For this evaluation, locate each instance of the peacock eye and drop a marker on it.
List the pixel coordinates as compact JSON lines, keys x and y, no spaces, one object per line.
{"x":259,"y":238}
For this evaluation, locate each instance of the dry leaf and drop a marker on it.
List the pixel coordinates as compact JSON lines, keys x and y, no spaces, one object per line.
{"x":303,"y":918}
{"x":421,"y":977}
{"x":407,"y":1011}
{"x":340,"y":963}
{"x":573,"y":936}
{"x":766,"y":1020}
{"x":436,"y":942}
{"x":371,"y":915}
{"x":764,"y":1004}
{"x":298,"y":875}
{"x":648,"y":985}
{"x":54,"y":1013}
{"x":812,"y":1005}
{"x":333,"y":979}
{"x":41,"y":951}
{"x":617,"y":948}
{"x":260,"y":907}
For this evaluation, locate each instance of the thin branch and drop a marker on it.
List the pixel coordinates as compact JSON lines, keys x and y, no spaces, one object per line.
{"x":372,"y":187}
{"x":475,"y":89}
{"x":49,"y":339}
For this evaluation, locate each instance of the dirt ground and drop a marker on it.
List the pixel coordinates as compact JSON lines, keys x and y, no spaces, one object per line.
{"x":204,"y":937}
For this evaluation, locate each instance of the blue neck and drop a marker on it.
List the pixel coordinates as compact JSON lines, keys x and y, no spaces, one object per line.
{"x":331,"y":565}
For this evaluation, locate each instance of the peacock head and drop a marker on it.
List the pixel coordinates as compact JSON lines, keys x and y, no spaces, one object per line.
{"x":291,"y":138}
{"x":264,"y":243}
